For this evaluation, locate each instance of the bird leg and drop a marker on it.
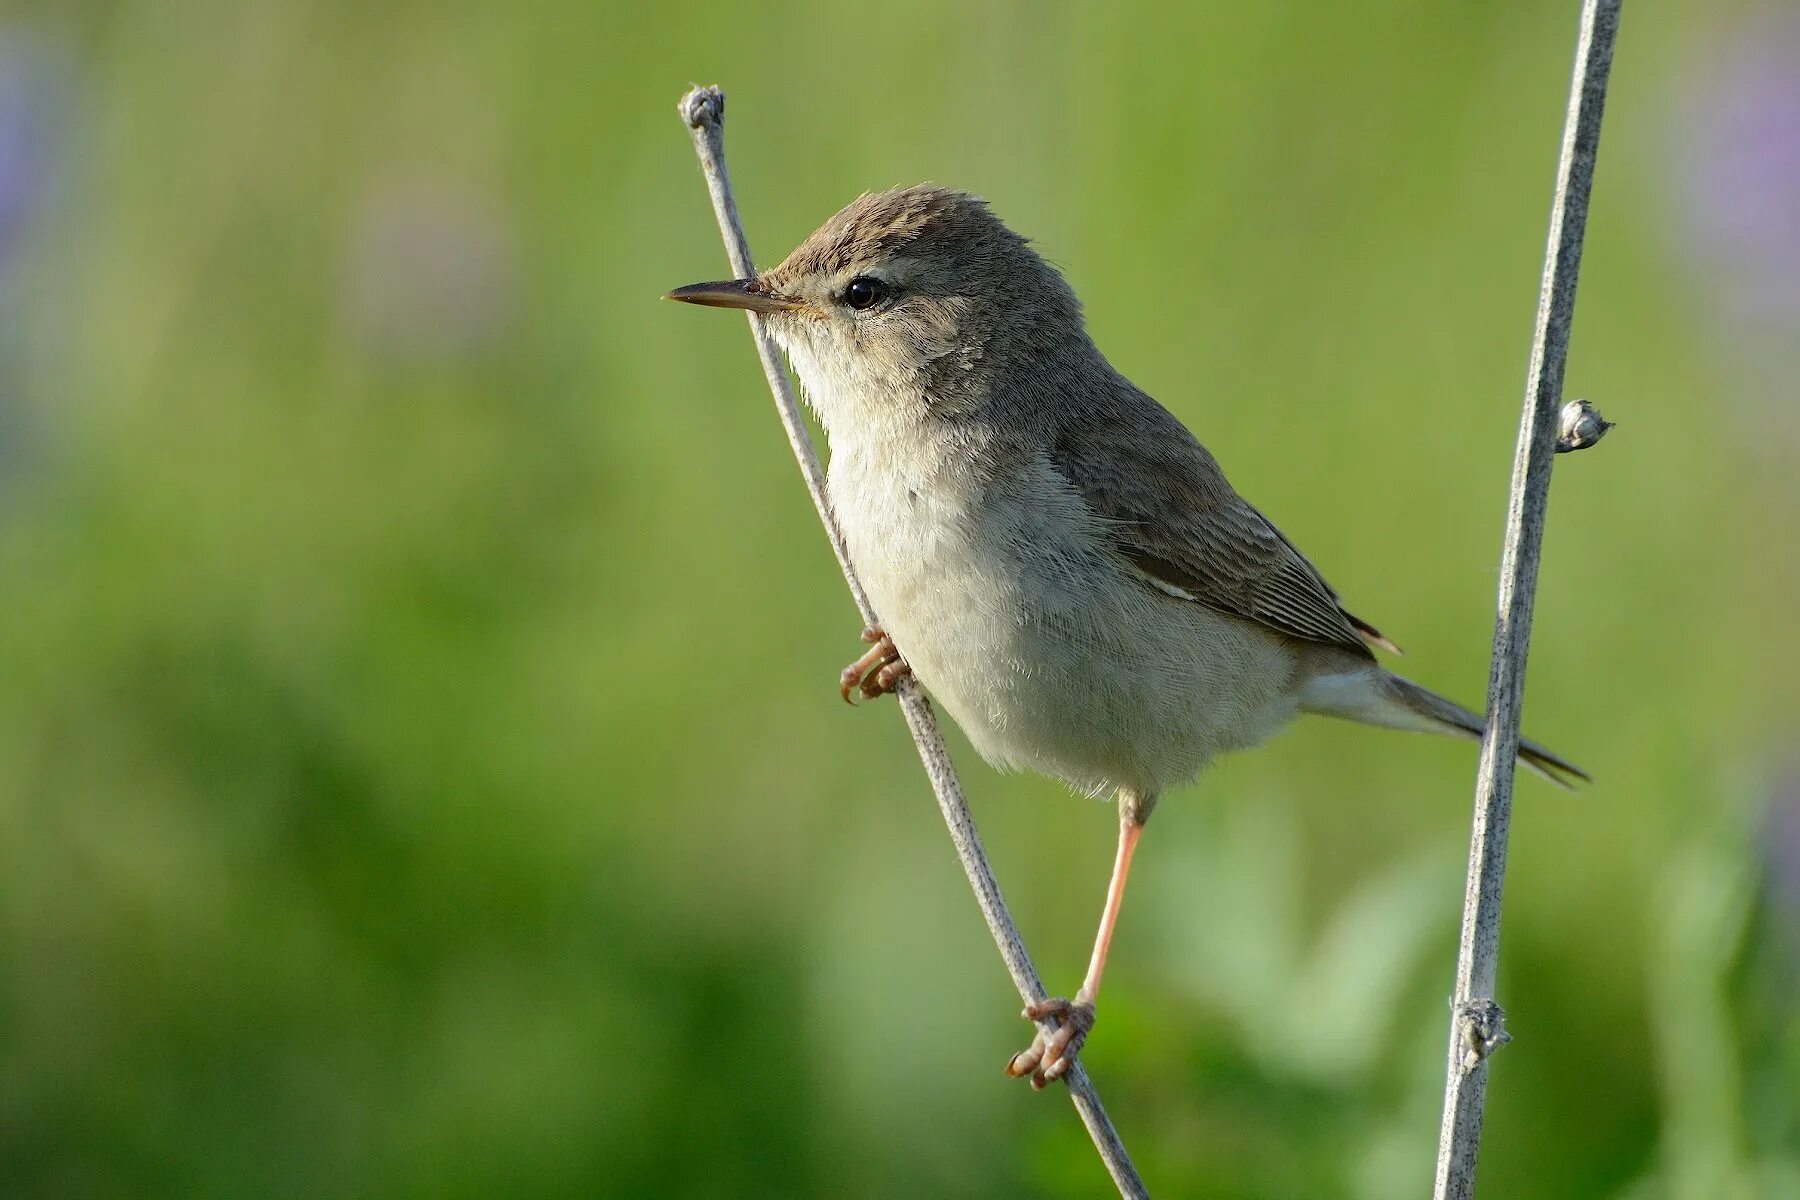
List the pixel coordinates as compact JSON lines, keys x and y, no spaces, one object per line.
{"x":1049,"y":1055}
{"x":875,"y":672}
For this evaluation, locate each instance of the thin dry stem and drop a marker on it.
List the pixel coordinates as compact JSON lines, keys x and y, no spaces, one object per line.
{"x":1477,"y":1024}
{"x":703,"y":111}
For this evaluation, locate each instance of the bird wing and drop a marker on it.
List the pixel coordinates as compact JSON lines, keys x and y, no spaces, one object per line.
{"x":1173,"y":517}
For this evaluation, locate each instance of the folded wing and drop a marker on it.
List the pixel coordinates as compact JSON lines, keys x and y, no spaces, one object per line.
{"x":1176,"y":520}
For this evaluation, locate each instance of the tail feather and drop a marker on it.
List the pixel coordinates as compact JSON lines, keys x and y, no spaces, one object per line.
{"x":1382,"y":698}
{"x":1453,"y":718}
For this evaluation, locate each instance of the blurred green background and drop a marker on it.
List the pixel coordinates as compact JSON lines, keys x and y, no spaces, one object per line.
{"x":420,"y":768}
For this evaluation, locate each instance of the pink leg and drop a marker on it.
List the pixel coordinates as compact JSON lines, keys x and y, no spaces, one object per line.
{"x":1049,"y":1055}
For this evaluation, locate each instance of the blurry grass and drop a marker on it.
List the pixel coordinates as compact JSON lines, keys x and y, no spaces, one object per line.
{"x":419,"y":773}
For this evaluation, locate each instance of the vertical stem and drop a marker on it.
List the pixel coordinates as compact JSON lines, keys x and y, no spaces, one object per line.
{"x":703,"y":111}
{"x":1476,"y":1024}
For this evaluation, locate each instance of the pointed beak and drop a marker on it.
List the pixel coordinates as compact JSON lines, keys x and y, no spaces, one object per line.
{"x":735,"y":293}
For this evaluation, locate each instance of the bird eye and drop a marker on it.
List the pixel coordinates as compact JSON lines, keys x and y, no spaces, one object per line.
{"x":864,"y":292}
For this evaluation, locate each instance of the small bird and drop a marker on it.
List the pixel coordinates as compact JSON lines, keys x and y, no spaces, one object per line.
{"x":1051,"y":553}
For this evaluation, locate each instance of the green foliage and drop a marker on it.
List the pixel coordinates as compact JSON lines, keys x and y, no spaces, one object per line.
{"x":420,"y":769}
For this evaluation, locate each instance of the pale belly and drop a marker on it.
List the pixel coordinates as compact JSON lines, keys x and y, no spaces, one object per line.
{"x":1047,"y":652}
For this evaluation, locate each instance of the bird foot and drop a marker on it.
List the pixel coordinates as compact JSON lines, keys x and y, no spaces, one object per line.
{"x":876,"y":672}
{"x":1050,"y":1054}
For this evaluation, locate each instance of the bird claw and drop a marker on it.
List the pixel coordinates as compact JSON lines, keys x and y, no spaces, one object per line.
{"x":876,"y":672}
{"x":1051,"y":1054}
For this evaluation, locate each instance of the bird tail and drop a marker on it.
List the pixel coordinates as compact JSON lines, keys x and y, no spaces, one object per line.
{"x":1385,"y":699}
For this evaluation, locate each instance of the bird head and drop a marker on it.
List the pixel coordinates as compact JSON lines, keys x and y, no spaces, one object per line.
{"x":909,"y":297}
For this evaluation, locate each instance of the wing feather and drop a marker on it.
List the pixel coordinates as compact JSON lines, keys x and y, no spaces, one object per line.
{"x":1176,"y":520}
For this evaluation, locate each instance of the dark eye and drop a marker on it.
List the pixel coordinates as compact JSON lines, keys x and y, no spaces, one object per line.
{"x":864,"y":292}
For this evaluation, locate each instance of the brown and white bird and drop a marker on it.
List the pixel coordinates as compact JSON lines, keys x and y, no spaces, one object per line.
{"x":1051,"y":552}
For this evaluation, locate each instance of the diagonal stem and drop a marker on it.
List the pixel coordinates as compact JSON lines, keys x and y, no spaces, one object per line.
{"x":1476,"y":1023}
{"x":703,"y":111}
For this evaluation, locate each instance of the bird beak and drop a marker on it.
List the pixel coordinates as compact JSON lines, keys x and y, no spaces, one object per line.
{"x":735,"y":293}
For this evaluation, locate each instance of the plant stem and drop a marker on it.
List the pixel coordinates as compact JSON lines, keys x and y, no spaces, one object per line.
{"x":1477,"y":1023}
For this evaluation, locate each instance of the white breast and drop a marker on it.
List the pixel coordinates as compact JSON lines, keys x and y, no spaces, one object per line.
{"x":1004,"y":598}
